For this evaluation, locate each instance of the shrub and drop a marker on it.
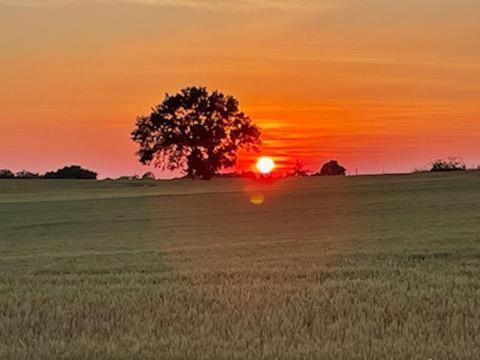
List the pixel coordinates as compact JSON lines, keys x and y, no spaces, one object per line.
{"x":6,"y":174}
{"x":451,"y":164}
{"x":72,"y":172}
{"x":332,"y":168}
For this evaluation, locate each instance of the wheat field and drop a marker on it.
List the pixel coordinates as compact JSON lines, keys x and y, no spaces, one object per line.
{"x":370,"y":267}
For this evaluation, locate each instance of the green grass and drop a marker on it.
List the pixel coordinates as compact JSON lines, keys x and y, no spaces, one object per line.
{"x":384,"y":267}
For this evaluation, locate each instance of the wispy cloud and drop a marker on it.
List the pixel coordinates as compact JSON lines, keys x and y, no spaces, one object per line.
{"x":207,"y":4}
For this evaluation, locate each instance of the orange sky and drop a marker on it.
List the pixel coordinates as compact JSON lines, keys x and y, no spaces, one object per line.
{"x":375,"y":84}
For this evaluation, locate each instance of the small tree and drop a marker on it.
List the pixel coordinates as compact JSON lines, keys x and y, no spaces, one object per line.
{"x":6,"y":174}
{"x":72,"y":172}
{"x":195,"y":131}
{"x":332,"y":168}
{"x":299,"y":169}
{"x":451,"y":164}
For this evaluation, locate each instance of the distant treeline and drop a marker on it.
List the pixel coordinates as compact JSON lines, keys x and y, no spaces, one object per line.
{"x":67,"y":172}
{"x":147,"y":176}
{"x":331,"y":168}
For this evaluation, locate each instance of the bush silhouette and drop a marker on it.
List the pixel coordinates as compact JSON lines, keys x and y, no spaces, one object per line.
{"x":195,"y":131}
{"x":451,"y":164}
{"x":332,"y":168}
{"x":72,"y":172}
{"x":6,"y":174}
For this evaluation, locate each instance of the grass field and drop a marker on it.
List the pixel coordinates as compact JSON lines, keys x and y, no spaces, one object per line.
{"x":381,"y":267}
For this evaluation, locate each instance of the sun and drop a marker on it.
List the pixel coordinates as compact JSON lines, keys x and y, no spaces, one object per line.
{"x":265,"y":165}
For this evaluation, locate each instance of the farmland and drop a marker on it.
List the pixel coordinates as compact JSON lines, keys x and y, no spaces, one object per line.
{"x":367,"y":267}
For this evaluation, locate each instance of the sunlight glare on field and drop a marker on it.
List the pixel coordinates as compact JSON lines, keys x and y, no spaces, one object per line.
{"x":257,"y":199}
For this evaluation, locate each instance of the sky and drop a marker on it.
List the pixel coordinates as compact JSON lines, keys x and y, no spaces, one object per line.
{"x":379,"y":85}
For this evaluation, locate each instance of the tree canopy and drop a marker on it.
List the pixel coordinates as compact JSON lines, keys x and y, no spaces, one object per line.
{"x":195,"y":131}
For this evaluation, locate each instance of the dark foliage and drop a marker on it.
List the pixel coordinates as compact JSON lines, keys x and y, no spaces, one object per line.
{"x":451,"y":164}
{"x":148,"y":176}
{"x":72,"y":172}
{"x":6,"y":174}
{"x":196,"y":131}
{"x":332,"y":168}
{"x":299,"y":169}
{"x":27,"y":175}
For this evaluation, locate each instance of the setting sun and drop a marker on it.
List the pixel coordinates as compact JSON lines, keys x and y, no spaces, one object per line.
{"x":265,"y":165}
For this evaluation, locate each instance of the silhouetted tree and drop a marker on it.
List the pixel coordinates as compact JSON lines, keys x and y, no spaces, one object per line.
{"x":71,"y":172}
{"x":299,"y":169}
{"x":148,"y":176}
{"x":6,"y":174}
{"x":451,"y":164}
{"x":332,"y":168}
{"x":195,"y":131}
{"x":27,"y":175}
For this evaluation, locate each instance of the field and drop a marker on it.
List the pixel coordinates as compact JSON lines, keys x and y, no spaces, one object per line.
{"x":370,"y":267}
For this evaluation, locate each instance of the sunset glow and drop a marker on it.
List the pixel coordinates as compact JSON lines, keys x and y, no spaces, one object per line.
{"x":317,"y":77}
